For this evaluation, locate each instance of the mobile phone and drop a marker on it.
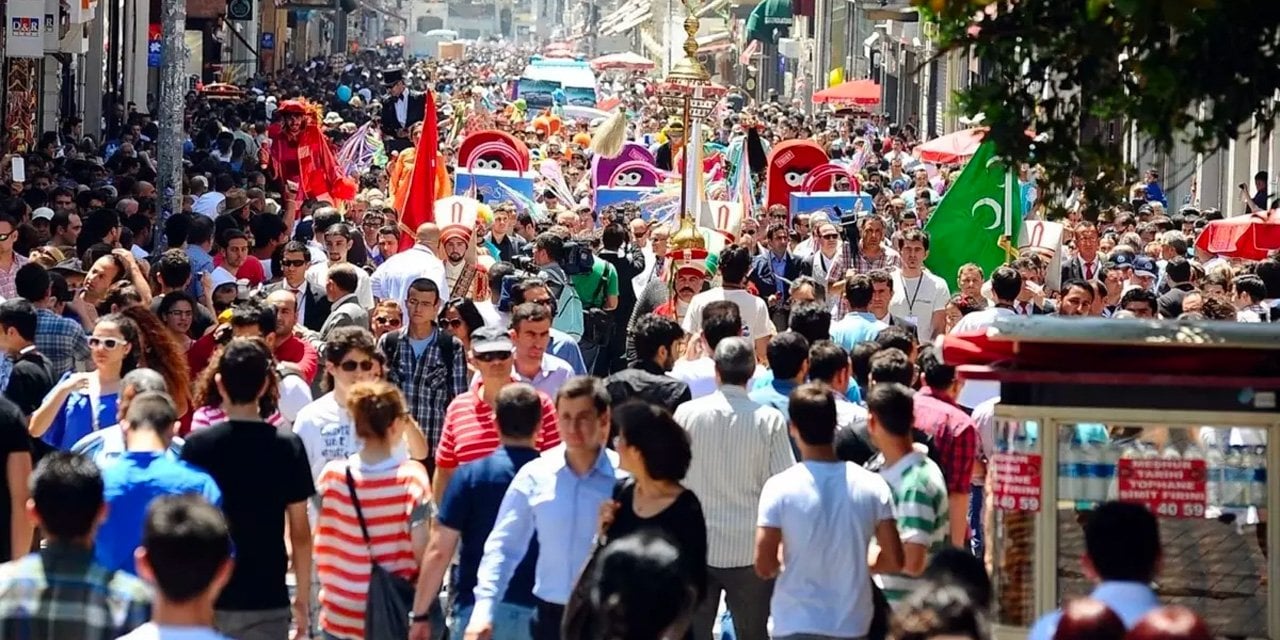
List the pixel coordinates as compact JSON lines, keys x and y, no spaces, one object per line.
{"x":19,"y":169}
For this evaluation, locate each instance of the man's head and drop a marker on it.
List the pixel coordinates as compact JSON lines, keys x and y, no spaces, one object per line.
{"x":237,"y":248}
{"x":811,"y":320}
{"x":1249,"y":290}
{"x":152,"y":412}
{"x":491,"y":353}
{"x":518,"y":412}
{"x":245,"y":370}
{"x":422,"y":301}
{"x":788,"y":355}
{"x":66,"y":497}
{"x":1122,"y":543}
{"x":8,"y":235}
{"x":454,"y":243}
{"x":858,"y":292}
{"x":1076,"y":299}
{"x":891,"y":365}
{"x":66,"y":226}
{"x":186,"y":550}
{"x":1006,"y":284}
{"x":285,"y":304}
{"x":343,"y":281}
{"x":659,"y":340}
{"x":829,"y":364}
{"x":530,"y":330}
{"x":294,"y":261}
{"x":135,"y":383}
{"x":720,"y":319}
{"x":938,"y":376}
{"x":548,"y":248}
{"x":388,"y":241}
{"x":735,"y":264}
{"x":891,"y":410}
{"x":17,"y":325}
{"x":735,"y":361}
{"x":582,"y":413}
{"x":1141,"y":303}
{"x":881,"y":292}
{"x":812,"y":409}
{"x":337,"y":242}
{"x":349,"y":356}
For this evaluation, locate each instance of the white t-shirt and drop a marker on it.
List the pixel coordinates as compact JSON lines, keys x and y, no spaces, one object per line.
{"x":916,"y":299}
{"x":153,"y":631}
{"x":815,"y":503}
{"x":295,"y":394}
{"x":327,"y":432}
{"x":754,"y":312}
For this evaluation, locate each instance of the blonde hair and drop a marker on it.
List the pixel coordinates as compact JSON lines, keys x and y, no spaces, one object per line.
{"x":375,"y":408}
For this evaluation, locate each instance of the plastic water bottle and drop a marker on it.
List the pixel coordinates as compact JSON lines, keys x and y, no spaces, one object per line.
{"x":1069,"y":476}
{"x":1233,"y":489}
{"x":1214,"y":461}
{"x":1258,"y":478}
{"x":1108,"y":456}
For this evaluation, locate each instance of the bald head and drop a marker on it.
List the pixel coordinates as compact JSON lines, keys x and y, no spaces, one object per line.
{"x":286,"y":305}
{"x":429,"y":236}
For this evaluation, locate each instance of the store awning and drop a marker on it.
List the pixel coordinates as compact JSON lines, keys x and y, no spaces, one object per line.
{"x":626,"y":17}
{"x":769,"y":20}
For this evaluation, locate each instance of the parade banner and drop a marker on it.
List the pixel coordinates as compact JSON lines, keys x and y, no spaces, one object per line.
{"x":486,"y":186}
{"x":606,"y":196}
{"x":829,"y":202}
{"x":24,"y":24}
{"x":1017,"y":481}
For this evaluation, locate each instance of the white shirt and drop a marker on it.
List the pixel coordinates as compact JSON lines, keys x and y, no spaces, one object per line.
{"x":492,"y":317}
{"x":976,"y":392}
{"x":153,"y":631}
{"x":318,"y":277}
{"x":295,"y":394}
{"x":916,"y":299}
{"x":402,"y":108}
{"x":754,"y":312}
{"x":327,"y":432}
{"x":737,"y":445}
{"x":813,"y":504}
{"x":207,"y":204}
{"x":390,"y":281}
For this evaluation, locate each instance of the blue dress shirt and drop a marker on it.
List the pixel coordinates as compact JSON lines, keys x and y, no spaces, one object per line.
{"x":549,"y":499}
{"x":1130,"y":601}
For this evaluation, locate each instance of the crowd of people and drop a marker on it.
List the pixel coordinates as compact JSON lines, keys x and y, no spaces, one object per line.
{"x":238,"y":419}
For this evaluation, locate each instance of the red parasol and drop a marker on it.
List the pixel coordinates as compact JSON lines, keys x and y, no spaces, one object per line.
{"x":1249,"y":237}
{"x":952,"y":148}
{"x":627,"y":61}
{"x":852,"y":92}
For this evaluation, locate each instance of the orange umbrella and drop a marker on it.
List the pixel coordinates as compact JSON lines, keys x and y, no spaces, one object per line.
{"x":952,"y":148}
{"x":852,"y":92}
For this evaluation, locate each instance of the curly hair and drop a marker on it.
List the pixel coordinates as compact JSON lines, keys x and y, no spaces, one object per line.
{"x":205,"y":393}
{"x":158,"y":350}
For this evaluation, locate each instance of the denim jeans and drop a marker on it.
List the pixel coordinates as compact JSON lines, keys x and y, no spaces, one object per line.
{"x":976,"y":544}
{"x":510,"y":621}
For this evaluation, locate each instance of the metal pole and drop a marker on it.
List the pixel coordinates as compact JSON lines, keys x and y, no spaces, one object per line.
{"x":685,"y":185}
{"x":173,"y":71}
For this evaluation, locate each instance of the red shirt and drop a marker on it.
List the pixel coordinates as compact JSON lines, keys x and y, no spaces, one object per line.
{"x":298,"y":351}
{"x":471,"y":430}
{"x":251,"y":270}
{"x":953,"y":433}
{"x":200,"y":353}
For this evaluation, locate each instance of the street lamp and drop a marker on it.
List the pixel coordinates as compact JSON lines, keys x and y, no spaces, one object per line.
{"x":689,"y":90}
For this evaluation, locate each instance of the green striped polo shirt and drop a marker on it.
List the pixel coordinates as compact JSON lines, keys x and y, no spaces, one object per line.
{"x":920,"y":507}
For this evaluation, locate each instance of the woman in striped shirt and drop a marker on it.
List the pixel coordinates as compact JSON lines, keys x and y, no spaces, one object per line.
{"x":395,"y":499}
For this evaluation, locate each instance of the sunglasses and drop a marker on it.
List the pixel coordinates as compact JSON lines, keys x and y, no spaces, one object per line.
{"x":395,"y":322}
{"x":372,"y":224}
{"x":830,"y":236}
{"x":493,"y":356}
{"x":351,"y":365}
{"x":105,"y":343}
{"x":453,"y":324}
{"x":292,"y":263}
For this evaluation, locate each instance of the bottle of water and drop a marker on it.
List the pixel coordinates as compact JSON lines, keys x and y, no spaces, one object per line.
{"x":1069,"y":477}
{"x":1109,"y":456}
{"x":1258,"y":478}
{"x":1233,"y":489}
{"x":1214,"y":461}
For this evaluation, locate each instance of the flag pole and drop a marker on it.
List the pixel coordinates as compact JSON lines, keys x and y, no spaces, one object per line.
{"x":1006,"y":241}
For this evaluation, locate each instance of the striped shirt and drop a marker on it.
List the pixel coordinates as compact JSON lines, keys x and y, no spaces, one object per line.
{"x":920,"y":508}
{"x":207,"y":416}
{"x":738,"y":444}
{"x":395,"y":497}
{"x":471,"y":429}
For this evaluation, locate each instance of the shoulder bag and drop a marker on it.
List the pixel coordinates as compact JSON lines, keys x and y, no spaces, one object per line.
{"x":390,"y":597}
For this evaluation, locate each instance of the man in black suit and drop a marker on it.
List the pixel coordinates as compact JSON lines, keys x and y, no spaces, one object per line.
{"x":773,"y":271}
{"x":401,"y":109}
{"x":1087,"y":264}
{"x":313,"y":305}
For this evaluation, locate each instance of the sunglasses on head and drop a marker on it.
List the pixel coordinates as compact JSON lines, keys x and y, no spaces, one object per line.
{"x":292,"y":263}
{"x":105,"y":343}
{"x":493,"y":356}
{"x":351,"y":365}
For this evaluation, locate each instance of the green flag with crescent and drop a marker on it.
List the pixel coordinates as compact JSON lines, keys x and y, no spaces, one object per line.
{"x":976,"y":214}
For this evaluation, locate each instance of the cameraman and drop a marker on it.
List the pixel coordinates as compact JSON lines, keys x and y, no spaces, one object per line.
{"x":597,"y":288}
{"x":548,"y":253}
{"x":627,"y":261}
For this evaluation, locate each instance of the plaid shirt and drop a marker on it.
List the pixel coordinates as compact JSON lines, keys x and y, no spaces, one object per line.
{"x":953,"y":433}
{"x":426,"y":385}
{"x":62,"y":593}
{"x":61,"y":340}
{"x":8,"y":288}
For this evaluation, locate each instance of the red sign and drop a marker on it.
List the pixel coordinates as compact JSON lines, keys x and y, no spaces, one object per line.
{"x":1171,"y":488}
{"x":1017,"y":481}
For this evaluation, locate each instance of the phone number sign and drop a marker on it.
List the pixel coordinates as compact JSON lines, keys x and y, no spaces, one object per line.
{"x":1017,"y":481}
{"x":1170,"y":488}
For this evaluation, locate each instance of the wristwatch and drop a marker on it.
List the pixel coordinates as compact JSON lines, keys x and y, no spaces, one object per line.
{"x":415,"y":618}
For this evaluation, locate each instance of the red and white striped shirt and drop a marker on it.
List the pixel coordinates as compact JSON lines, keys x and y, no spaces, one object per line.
{"x":209,"y":416}
{"x":471,"y":429}
{"x":395,"y":497}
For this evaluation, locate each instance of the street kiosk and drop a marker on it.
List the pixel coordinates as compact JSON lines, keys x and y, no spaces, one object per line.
{"x":1173,"y":415}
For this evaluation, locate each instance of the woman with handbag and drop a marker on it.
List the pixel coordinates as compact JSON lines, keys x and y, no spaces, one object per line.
{"x":371,"y":530}
{"x":655,"y":450}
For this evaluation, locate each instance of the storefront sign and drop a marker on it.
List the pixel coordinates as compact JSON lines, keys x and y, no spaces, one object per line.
{"x":1017,"y":481}
{"x":155,"y":46}
{"x":1170,"y":488}
{"x":24,"y":20}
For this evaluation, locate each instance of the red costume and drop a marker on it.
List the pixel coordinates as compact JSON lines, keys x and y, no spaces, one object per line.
{"x":300,"y":153}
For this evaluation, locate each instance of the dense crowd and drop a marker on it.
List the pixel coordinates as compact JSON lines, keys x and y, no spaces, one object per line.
{"x":267,"y":413}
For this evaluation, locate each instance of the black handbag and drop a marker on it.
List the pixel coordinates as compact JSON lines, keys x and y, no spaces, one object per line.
{"x":390,"y":597}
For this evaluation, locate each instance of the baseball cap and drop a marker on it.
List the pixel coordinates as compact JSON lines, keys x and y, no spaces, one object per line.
{"x":1121,"y":259}
{"x":43,"y":213}
{"x":1144,"y":266}
{"x":490,"y":340}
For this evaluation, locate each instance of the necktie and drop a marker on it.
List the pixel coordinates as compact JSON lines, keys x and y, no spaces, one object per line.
{"x":1088,"y":271}
{"x":657,"y":267}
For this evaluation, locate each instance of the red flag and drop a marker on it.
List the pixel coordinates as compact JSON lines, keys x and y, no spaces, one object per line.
{"x":419,"y":203}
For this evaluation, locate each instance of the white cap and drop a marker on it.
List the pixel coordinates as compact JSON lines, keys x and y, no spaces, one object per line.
{"x":43,"y":213}
{"x":221,"y":276}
